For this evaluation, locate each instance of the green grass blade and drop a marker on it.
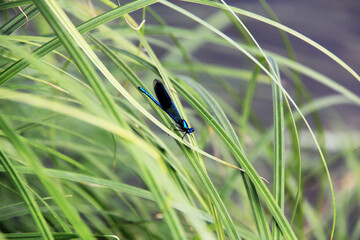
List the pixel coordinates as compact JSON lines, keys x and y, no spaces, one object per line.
{"x":19,"y":20}
{"x":23,"y":189}
{"x":296,"y":155}
{"x":279,"y":161}
{"x":83,"y":28}
{"x":13,"y":4}
{"x":57,"y":236}
{"x":51,"y":187}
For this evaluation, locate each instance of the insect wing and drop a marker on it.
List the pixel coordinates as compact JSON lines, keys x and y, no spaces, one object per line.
{"x":165,"y":102}
{"x":151,"y":97}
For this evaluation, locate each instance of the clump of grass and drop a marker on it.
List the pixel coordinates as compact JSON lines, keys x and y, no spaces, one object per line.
{"x":83,"y":155}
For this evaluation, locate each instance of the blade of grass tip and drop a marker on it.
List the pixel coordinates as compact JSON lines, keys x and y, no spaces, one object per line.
{"x":279,"y":163}
{"x":26,"y":195}
{"x":69,"y":211}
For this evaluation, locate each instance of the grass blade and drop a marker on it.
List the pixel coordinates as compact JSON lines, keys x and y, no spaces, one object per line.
{"x":279,"y":162}
{"x":23,"y":189}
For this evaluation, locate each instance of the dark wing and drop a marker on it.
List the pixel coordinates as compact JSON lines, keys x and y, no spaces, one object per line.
{"x":165,"y":101}
{"x":151,"y":97}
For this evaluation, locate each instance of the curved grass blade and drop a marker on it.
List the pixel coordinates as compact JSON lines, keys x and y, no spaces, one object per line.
{"x":285,"y":29}
{"x":83,"y":28}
